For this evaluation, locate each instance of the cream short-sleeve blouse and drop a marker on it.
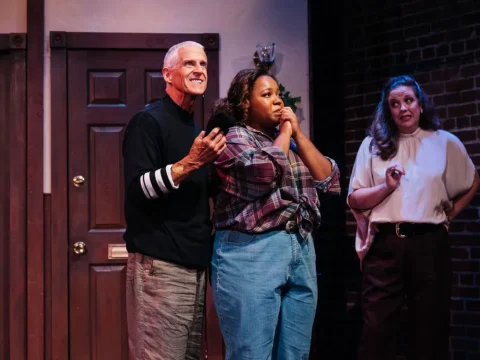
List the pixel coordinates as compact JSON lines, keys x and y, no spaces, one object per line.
{"x":437,"y":169}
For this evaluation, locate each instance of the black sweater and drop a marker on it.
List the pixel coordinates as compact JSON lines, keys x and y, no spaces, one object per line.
{"x":164,"y":222}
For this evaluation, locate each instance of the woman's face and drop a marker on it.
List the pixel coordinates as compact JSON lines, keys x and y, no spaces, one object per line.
{"x":405,"y":108}
{"x":265,"y":104}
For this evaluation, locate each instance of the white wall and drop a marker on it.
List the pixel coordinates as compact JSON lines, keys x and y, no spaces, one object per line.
{"x":13,"y":16}
{"x":240,"y":23}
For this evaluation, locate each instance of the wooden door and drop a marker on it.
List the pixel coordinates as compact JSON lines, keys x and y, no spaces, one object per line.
{"x":105,"y":88}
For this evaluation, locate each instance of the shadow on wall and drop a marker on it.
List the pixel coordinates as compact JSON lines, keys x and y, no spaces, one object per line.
{"x":338,"y":320}
{"x":246,"y":62}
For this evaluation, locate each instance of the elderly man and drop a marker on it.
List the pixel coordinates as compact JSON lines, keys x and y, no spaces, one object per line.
{"x":166,"y":208}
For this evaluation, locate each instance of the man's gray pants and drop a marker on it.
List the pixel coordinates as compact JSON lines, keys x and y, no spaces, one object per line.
{"x":165,"y":309}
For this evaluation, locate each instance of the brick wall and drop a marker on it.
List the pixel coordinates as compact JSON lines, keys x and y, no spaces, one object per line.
{"x":438,"y":42}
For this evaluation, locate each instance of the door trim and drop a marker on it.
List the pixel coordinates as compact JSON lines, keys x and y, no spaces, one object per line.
{"x":35,"y":241}
{"x":13,"y":197}
{"x":57,"y":257}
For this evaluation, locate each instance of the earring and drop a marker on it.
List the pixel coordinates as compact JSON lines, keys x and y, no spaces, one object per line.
{"x":421,"y":111}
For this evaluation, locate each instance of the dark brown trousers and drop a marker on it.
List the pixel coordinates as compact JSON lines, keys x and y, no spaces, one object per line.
{"x":414,"y":269}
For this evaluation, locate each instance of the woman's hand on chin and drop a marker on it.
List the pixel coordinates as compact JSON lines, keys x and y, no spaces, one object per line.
{"x":286,"y":127}
{"x":289,"y":115}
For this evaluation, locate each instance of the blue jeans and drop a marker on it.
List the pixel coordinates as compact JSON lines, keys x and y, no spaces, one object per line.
{"x":265,"y":293}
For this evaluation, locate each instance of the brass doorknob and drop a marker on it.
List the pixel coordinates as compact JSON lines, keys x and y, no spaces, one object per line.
{"x":80,"y":248}
{"x":78,"y":180}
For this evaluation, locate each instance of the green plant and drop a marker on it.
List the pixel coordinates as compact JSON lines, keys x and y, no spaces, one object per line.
{"x":287,"y":99}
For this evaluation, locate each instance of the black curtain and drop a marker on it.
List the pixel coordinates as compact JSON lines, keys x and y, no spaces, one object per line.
{"x":337,"y":325}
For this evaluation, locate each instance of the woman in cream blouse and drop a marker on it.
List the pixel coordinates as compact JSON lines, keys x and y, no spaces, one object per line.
{"x":409,"y":180}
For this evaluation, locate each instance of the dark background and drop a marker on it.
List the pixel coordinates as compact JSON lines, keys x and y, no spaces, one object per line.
{"x":354,"y":47}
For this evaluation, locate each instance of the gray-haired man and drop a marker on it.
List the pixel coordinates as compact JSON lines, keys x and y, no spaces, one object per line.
{"x":166,"y":208}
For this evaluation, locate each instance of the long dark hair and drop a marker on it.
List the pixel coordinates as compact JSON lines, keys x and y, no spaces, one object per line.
{"x":383,"y":130}
{"x":237,"y":102}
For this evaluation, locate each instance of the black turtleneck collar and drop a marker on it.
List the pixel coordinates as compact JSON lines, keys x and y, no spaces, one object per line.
{"x":177,"y":110}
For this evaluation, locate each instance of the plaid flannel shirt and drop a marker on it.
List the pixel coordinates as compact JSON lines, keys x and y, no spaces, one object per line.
{"x":259,"y":188}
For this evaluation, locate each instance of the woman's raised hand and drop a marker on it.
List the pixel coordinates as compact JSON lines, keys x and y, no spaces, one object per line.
{"x":289,"y":115}
{"x":393,"y":174}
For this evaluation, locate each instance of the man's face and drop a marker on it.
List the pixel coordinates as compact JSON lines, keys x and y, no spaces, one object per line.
{"x":189,"y":75}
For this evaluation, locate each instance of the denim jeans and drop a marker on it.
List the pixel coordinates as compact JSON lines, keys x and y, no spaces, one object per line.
{"x":265,"y":293}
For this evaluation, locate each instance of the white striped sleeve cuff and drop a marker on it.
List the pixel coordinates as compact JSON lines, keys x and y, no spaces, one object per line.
{"x":169,"y":174}
{"x":158,"y":182}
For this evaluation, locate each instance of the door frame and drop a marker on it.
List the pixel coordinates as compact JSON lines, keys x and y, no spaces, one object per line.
{"x":57,"y":247}
{"x":14,"y":315}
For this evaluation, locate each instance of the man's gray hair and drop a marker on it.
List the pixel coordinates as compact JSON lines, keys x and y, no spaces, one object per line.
{"x":171,"y":58}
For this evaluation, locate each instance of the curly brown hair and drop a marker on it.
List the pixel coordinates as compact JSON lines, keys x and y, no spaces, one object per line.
{"x":237,"y":102}
{"x":383,"y":130}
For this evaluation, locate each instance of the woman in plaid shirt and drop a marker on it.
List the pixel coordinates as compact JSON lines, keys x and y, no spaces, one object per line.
{"x":268,"y":183}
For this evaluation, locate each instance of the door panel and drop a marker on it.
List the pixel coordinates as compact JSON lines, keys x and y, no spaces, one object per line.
{"x":105,"y":148}
{"x":108,"y":312}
